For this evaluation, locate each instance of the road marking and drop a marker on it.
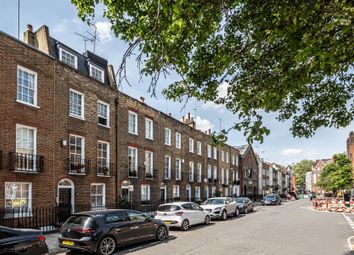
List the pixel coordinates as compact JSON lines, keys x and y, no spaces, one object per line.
{"x":350,"y":243}
{"x":349,"y":221}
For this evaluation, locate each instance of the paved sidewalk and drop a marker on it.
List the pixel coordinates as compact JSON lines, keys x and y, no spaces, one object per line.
{"x":52,"y":242}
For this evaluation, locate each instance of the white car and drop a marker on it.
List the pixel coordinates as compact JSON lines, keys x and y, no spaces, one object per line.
{"x":221,"y":207}
{"x":182,"y":214}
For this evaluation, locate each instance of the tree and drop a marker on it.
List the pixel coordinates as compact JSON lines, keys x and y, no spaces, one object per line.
{"x":337,"y":175}
{"x":294,"y":58}
{"x":300,"y":170}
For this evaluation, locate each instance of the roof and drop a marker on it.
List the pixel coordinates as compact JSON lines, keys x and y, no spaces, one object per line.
{"x":98,"y":212}
{"x":177,"y":203}
{"x":242,"y":148}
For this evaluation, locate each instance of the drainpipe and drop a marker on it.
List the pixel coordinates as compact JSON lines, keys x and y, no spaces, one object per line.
{"x":116,"y":104}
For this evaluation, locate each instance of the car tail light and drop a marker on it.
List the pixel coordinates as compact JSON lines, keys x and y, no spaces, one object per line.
{"x":86,"y":231}
{"x":41,"y":238}
{"x":179,"y":213}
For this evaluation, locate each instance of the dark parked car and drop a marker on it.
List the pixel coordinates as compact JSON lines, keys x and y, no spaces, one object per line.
{"x":103,"y":231}
{"x":245,"y":205}
{"x":272,"y":199}
{"x":15,"y":241}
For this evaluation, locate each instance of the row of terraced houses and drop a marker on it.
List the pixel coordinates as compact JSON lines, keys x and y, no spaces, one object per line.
{"x":69,"y":137}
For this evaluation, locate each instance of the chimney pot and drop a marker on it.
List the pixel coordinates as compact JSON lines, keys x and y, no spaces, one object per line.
{"x":142,"y":99}
{"x":209,"y":131}
{"x":189,"y":115}
{"x":183,"y":119}
{"x":30,"y":28}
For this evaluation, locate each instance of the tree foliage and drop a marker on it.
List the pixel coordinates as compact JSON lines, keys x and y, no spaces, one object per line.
{"x":337,"y":175}
{"x":300,"y":170}
{"x":294,"y":58}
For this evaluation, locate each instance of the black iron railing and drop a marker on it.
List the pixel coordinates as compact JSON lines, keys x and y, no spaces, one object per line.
{"x":23,"y":162}
{"x":104,"y":170}
{"x":78,"y":165}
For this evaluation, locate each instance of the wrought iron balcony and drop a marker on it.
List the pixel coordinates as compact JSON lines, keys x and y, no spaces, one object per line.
{"x":149,"y":173}
{"x":104,"y":170}
{"x":29,"y":163}
{"x":77,"y":165}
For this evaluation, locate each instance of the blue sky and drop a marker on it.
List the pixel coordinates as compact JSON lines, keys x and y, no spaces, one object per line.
{"x":61,"y":18}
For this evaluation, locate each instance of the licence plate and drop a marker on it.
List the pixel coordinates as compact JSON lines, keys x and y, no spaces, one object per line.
{"x":68,"y":242}
{"x":167,"y":222}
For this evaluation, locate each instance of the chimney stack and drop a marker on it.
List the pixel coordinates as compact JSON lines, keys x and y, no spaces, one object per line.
{"x":183,"y":119}
{"x":209,"y":131}
{"x":189,"y":116}
{"x":190,"y":121}
{"x":29,"y":28}
{"x":142,"y":99}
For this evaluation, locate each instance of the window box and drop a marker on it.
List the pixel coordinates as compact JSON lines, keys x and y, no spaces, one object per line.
{"x":149,"y":176}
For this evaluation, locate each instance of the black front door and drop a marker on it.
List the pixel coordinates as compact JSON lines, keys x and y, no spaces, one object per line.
{"x":162,"y":195}
{"x":65,"y":205}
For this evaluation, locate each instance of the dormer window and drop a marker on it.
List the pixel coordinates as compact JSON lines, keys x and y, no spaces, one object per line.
{"x":96,"y":73}
{"x":67,"y":58}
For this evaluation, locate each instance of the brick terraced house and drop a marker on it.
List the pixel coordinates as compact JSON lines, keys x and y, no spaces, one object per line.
{"x":69,"y":137}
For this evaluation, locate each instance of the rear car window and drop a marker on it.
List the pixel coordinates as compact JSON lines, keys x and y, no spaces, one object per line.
{"x":81,"y":220}
{"x":168,"y":208}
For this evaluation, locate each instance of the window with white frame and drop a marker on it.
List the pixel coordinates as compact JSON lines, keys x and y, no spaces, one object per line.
{"x":199,"y":148}
{"x":222,"y":175}
{"x":98,"y":196}
{"x":149,"y":129}
{"x":197,"y":193}
{"x":222,"y":156}
{"x":213,"y":190}
{"x":133,"y":122}
{"x":167,"y":167}
{"x":227,"y":176}
{"x":178,"y":168}
{"x":149,"y":164}
{"x":76,"y":104}
{"x":67,"y":58}
{"x":236,"y":160}
{"x":191,"y":171}
{"x":145,"y":192}
{"x":77,"y":154}
{"x":209,"y":171}
{"x":215,"y":153}
{"x":206,"y":192}
{"x":233,"y":176}
{"x":18,"y":198}
{"x":167,"y":134}
{"x":199,"y":172}
{"x":103,"y":113}
{"x":191,"y":145}
{"x":26,"y":141}
{"x":178,"y":140}
{"x":97,"y":73}
{"x":26,"y":86}
{"x":133,"y":161}
{"x":175,"y":191}
{"x":233,"y":159}
{"x":227,"y":157}
{"x":103,"y":158}
{"x":215,"y":172}
{"x":209,"y":150}
{"x":226,"y":191}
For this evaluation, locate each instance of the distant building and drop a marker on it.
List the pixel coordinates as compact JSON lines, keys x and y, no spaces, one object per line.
{"x":350,"y":149}
{"x":316,"y":174}
{"x":308,"y":181}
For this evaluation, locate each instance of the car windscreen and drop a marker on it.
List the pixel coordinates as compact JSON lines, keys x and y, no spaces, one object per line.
{"x":239,"y":200}
{"x":270,"y":197}
{"x":80,"y":220}
{"x":168,"y":208}
{"x":215,"y":202}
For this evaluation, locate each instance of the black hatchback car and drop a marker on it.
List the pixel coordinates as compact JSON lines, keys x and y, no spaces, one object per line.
{"x":244,"y":204}
{"x":14,"y":241}
{"x":272,"y":199}
{"x":103,"y":231}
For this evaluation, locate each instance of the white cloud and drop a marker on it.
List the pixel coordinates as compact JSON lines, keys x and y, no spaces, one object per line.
{"x":104,"y":31}
{"x":222,"y":89}
{"x":291,"y":152}
{"x":222,"y":92}
{"x":203,"y":124}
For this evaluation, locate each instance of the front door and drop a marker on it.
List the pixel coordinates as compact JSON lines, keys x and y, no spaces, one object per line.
{"x":65,"y":206}
{"x":163,"y":195}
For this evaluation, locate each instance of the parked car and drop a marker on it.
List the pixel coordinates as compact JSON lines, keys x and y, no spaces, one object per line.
{"x":221,"y":207}
{"x":15,"y":241}
{"x":272,"y":199}
{"x":182,"y":214}
{"x":244,"y":204}
{"x":101,"y":232}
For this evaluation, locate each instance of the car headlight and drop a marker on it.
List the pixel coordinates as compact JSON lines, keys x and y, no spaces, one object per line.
{"x":217,"y":209}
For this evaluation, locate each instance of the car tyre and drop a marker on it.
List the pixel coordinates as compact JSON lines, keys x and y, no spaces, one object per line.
{"x":106,"y":246}
{"x":246,"y":210}
{"x":237,"y":212}
{"x":207,"y":220}
{"x":161,"y":233}
{"x":185,"y":225}
{"x":224,"y":215}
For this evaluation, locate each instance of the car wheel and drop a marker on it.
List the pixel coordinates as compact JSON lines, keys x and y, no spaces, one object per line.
{"x":185,"y":225}
{"x":207,"y":220}
{"x":237,"y":212}
{"x":246,"y":210}
{"x":252,"y":209}
{"x":224,"y":215}
{"x":161,"y":233}
{"x":107,"y":246}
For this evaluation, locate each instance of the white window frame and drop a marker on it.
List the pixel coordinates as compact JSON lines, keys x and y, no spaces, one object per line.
{"x":168,"y":177}
{"x":191,"y":171}
{"x":150,"y":164}
{"x":134,"y":132}
{"x":178,"y":169}
{"x":199,"y":148}
{"x":74,"y":115}
{"x":215,"y":153}
{"x":167,"y":132}
{"x":222,"y":175}
{"x":82,"y":145}
{"x":35,"y":85}
{"x":108,"y":153}
{"x":209,"y":172}
{"x":215,"y":172}
{"x":145,"y":197}
{"x":92,"y":66}
{"x":222,"y":156}
{"x":199,"y":172}
{"x":227,"y":157}
{"x":149,"y":133}
{"x":175,"y":191}
{"x":105,"y":117}
{"x":206,"y":192}
{"x":178,"y":140}
{"x":61,"y":50}
{"x":191,"y":145}
{"x":96,"y":206}
{"x":209,"y":150}
{"x":34,"y":137}
{"x":29,"y":212}
{"x":197,"y":193}
{"x":136,"y":160}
